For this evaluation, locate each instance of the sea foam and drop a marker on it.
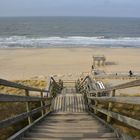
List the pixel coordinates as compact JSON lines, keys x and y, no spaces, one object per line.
{"x":24,"y":41}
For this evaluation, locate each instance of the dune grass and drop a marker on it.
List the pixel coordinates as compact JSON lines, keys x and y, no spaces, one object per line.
{"x":12,"y":109}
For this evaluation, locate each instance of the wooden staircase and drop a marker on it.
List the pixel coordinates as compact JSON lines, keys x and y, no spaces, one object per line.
{"x":65,"y":115}
{"x":70,"y":120}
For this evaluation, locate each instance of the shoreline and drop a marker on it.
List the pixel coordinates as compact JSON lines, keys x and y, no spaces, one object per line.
{"x":72,"y":46}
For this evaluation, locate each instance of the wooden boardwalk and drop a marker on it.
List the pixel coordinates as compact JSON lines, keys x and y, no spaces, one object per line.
{"x":69,"y":103}
{"x":70,"y":121}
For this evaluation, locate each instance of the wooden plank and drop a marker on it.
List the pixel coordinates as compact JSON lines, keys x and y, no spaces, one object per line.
{"x":122,"y":86}
{"x":110,"y":105}
{"x":47,"y":131}
{"x":13,"y":120}
{"x":41,"y":103}
{"x":66,"y":82}
{"x":125,"y":100}
{"x":69,"y":103}
{"x":77,"y":107}
{"x":54,"y":105}
{"x":128,"y":85}
{"x":28,"y":108}
{"x":20,"y":86}
{"x":70,"y":135}
{"x":21,"y":133}
{"x":127,"y":120}
{"x":16,"y":98}
{"x":80,"y":104}
{"x":72,"y":103}
{"x":49,"y":84}
{"x":60,"y":103}
{"x":64,"y":103}
{"x":67,"y":139}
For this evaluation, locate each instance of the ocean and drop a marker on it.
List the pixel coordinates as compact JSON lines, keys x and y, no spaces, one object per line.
{"x":20,"y":32}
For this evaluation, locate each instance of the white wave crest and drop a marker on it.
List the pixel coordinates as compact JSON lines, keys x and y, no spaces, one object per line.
{"x":23,"y":41}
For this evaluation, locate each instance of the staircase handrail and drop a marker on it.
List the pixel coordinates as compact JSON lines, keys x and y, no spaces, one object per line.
{"x":45,"y":101}
{"x":93,"y":102}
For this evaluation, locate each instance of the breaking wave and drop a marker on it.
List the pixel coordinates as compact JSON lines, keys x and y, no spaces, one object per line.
{"x":24,"y":41}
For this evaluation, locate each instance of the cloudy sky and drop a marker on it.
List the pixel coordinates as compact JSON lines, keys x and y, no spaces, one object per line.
{"x":117,"y":8}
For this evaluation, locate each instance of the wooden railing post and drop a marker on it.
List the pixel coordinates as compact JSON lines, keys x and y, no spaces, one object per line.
{"x":52,"y":89}
{"x":41,"y":102}
{"x":96,"y":104}
{"x":28,"y":107}
{"x":110,"y":105}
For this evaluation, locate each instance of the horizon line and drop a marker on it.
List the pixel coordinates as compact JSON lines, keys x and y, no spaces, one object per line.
{"x":69,"y":16}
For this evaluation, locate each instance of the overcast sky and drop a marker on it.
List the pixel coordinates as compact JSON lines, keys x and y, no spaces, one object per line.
{"x":117,"y":8}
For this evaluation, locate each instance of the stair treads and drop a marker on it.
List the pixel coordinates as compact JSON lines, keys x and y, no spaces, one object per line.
{"x":67,"y":127}
{"x":49,"y":130}
{"x":72,"y":124}
{"x":69,"y":103}
{"x":70,"y":127}
{"x":71,"y":135}
{"x":70,"y":120}
{"x":70,"y":139}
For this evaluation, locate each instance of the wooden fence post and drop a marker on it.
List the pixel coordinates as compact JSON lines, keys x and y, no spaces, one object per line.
{"x":96,"y":104}
{"x":110,"y":105}
{"x":28,"y":107}
{"x":41,"y":102}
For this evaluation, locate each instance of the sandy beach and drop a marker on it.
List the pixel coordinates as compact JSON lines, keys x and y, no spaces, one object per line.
{"x":31,"y":62}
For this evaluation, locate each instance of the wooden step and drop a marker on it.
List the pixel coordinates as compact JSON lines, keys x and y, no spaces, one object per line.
{"x":70,"y":121}
{"x":72,"y":115}
{"x":70,"y":139}
{"x":71,"y":135}
{"x":69,"y":103}
{"x":103,"y":130}
{"x":53,"y":125}
{"x":67,"y":114}
{"x":69,"y":126}
{"x":76,"y":118}
{"x":63,"y":116}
